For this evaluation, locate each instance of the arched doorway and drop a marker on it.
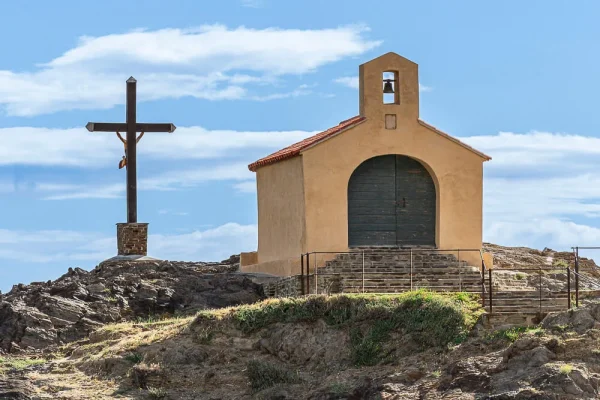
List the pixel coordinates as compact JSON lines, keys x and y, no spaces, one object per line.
{"x":391,"y":202}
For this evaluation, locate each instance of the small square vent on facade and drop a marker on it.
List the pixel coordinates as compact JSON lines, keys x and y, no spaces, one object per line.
{"x":390,"y":121}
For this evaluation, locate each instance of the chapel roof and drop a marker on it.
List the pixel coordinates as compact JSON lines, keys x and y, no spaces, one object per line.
{"x":296,"y":148}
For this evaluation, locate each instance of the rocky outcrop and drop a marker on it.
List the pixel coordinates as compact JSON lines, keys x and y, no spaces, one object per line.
{"x":507,"y":257}
{"x":45,"y":314}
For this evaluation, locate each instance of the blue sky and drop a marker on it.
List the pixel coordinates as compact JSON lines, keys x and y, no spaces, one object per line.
{"x":242,"y":78}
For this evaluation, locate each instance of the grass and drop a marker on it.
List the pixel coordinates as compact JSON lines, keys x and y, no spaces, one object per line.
{"x":129,"y":336}
{"x":340,"y":389}
{"x":565,"y":369}
{"x":445,"y":317}
{"x":436,"y":374}
{"x":520,"y":276}
{"x":431,"y":319}
{"x":512,"y":334}
{"x":263,"y":375}
{"x":9,"y":363}
{"x":157,"y":393}
{"x":134,"y":357}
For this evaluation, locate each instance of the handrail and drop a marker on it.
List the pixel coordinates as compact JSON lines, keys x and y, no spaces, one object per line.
{"x":371,"y":250}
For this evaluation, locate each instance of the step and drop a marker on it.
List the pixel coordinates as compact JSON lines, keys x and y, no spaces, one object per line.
{"x":523,"y":308}
{"x":559,"y":301}
{"x":399,"y":289}
{"x":402,"y":282}
{"x":398,"y":270}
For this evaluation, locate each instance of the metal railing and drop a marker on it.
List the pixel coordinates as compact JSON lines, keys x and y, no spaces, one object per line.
{"x":529,"y":288}
{"x":314,"y":270}
{"x":314,"y":273}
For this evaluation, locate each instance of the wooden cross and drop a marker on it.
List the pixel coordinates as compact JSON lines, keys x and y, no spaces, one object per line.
{"x":131,"y":126}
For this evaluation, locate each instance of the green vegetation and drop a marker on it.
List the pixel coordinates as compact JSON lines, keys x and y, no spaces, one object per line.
{"x":7,"y":364}
{"x":565,"y":369}
{"x":431,"y":319}
{"x":514,"y":333}
{"x":205,"y":335}
{"x":263,"y":375}
{"x":134,"y":357}
{"x":340,"y":388}
{"x":519,"y":276}
{"x":436,"y":374}
{"x":367,"y":348}
{"x":560,"y":264}
{"x":157,"y":393}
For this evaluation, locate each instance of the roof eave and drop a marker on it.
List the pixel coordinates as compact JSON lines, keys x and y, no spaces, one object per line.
{"x":332,"y":136}
{"x":455,"y":140}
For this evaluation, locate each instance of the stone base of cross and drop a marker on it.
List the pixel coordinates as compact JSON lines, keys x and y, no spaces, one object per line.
{"x":132,"y":237}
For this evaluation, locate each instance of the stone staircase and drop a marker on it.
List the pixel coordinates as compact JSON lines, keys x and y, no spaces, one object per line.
{"x":392,"y":271}
{"x":514,"y":300}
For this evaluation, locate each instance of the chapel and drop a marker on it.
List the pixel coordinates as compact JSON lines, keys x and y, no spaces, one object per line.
{"x":383,"y":178}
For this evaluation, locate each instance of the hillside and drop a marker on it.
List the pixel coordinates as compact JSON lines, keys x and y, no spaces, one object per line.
{"x":414,"y":345}
{"x":175,"y":330}
{"x":44,"y":315}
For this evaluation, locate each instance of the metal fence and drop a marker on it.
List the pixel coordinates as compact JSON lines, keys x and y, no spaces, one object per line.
{"x":368,"y":274}
{"x":530,"y":288}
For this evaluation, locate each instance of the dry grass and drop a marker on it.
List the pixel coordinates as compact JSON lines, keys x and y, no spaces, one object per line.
{"x":18,"y":363}
{"x":128,"y":336}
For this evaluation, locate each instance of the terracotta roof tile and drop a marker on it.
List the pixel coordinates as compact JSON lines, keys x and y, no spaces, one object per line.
{"x":296,"y":148}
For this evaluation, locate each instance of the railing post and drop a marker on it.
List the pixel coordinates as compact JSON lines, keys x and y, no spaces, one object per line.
{"x":459,"y":270}
{"x":363,"y":271}
{"x":482,"y":283}
{"x":308,"y":273}
{"x":576,"y":276}
{"x":316,"y":268}
{"x":540,"y":274}
{"x":302,"y":274}
{"x":411,"y":270}
{"x":491,"y":294}
{"x":568,"y":287}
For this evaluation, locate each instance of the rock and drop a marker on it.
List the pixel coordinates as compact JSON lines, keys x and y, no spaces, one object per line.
{"x":580,"y":320}
{"x":16,"y":388}
{"x":53,"y":313}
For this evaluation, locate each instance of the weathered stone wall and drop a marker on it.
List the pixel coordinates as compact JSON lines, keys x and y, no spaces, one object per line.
{"x":132,"y":239}
{"x":289,"y":286}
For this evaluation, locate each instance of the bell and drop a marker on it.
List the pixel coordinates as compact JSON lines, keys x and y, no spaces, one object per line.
{"x":387,"y":87}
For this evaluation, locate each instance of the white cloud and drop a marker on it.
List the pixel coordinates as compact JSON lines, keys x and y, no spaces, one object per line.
{"x":171,"y":180}
{"x":204,"y":62}
{"x":76,"y":147}
{"x":246,"y":186}
{"x":352,"y":82}
{"x":349,"y":81}
{"x":213,"y":244}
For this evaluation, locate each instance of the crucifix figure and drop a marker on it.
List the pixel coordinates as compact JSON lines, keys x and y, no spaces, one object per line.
{"x":123,"y":162}
{"x":131,"y":126}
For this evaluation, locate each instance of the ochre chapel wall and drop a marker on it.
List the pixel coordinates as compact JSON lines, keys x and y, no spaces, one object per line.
{"x":456,"y":171}
{"x":303,"y":204}
{"x":280,"y":210}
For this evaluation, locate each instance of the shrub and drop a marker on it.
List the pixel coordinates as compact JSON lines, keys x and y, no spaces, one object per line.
{"x":565,"y":369}
{"x":430,"y":319}
{"x":263,"y":375}
{"x":157,"y":393}
{"x":445,"y":317}
{"x":512,"y":334}
{"x":134,"y":357}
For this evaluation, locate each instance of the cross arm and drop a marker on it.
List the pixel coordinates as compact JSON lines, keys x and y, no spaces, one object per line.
{"x":122,"y":127}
